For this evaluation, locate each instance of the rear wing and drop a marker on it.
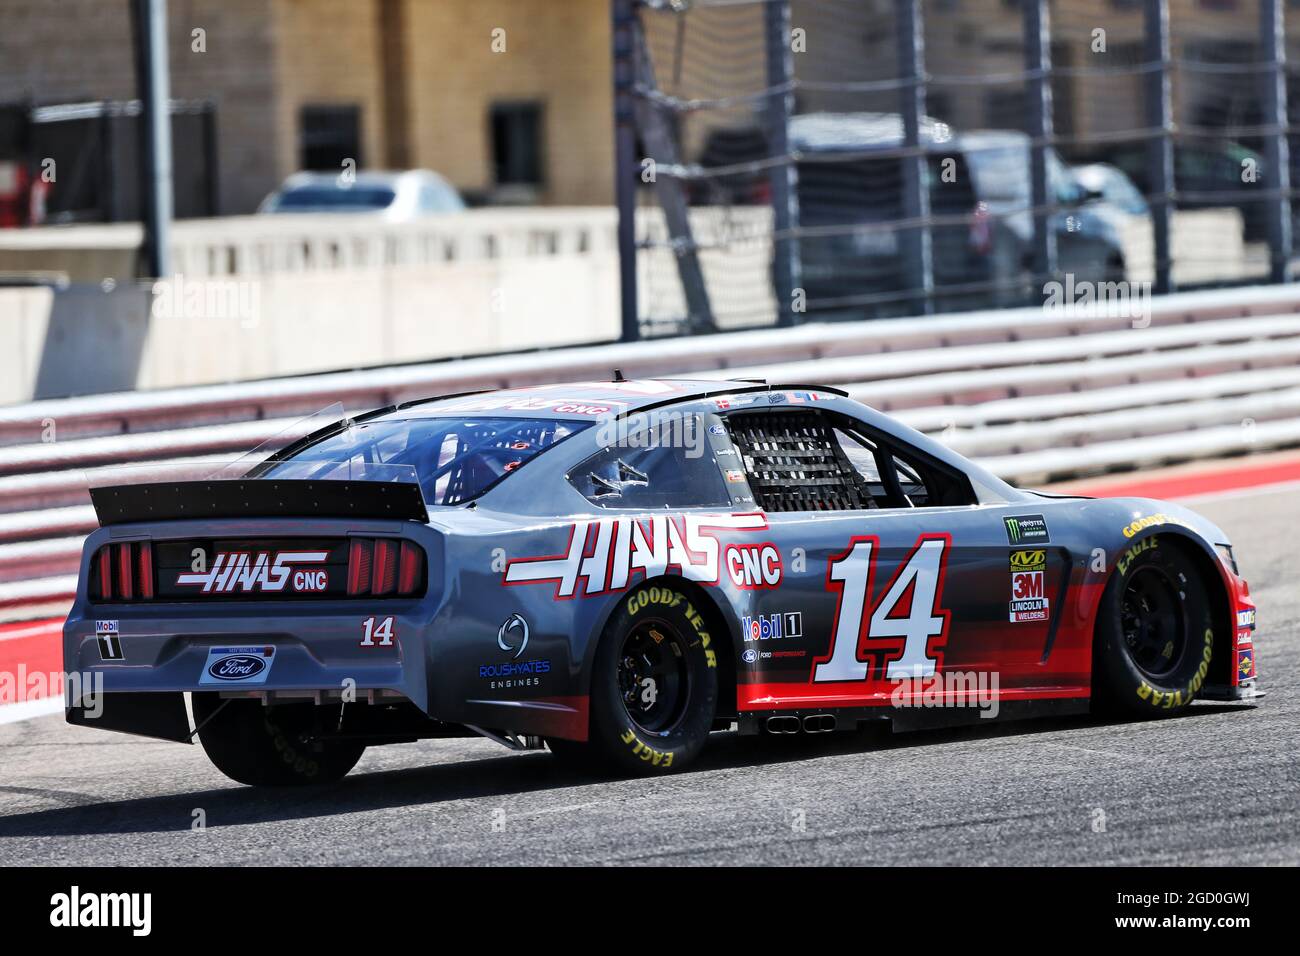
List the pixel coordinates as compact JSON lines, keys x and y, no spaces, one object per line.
{"x":258,"y":498}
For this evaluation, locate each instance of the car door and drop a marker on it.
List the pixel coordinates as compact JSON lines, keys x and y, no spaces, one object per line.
{"x":892,"y":575}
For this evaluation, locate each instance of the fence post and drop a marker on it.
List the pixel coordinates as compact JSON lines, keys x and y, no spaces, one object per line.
{"x":149,"y":18}
{"x":1160,"y":146}
{"x":783,"y":178}
{"x":918,"y":259}
{"x":1277,"y":153}
{"x":1038,"y":120}
{"x":625,"y":168}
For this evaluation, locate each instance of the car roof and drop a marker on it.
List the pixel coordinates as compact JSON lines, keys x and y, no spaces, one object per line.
{"x":365,"y":177}
{"x":586,"y":401}
{"x":851,"y":132}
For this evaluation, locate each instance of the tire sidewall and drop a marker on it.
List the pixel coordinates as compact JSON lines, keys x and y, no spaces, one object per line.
{"x":613,"y":733}
{"x":1122,"y":682}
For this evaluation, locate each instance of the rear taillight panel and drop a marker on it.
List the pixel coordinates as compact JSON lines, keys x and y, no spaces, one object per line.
{"x":258,"y":569}
{"x":123,"y":572}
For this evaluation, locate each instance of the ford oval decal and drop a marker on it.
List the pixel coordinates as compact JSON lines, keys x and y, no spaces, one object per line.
{"x":237,"y":667}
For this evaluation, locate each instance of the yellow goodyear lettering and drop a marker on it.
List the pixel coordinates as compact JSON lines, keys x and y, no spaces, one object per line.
{"x":1179,"y":697}
{"x":1146,"y":544}
{"x":656,"y":758}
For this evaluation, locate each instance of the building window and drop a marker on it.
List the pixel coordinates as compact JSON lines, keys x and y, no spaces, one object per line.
{"x":517,"y":144}
{"x":328,"y":135}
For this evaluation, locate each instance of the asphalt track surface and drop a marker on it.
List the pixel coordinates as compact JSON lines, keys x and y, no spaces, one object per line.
{"x":1220,"y":785}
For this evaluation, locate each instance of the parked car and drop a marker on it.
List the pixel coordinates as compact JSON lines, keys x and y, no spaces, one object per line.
{"x":1206,"y":176}
{"x":397,"y":196}
{"x":979,"y":190}
{"x":1107,"y":184}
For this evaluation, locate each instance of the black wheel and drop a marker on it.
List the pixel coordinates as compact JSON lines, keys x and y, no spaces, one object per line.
{"x":1154,"y":636}
{"x":654,"y":685}
{"x":269,"y":746}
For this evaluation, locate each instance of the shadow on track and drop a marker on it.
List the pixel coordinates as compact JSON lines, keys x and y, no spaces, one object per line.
{"x":507,"y":775}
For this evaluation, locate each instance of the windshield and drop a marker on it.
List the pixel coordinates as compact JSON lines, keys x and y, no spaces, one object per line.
{"x":334,"y":197}
{"x":456,"y":459}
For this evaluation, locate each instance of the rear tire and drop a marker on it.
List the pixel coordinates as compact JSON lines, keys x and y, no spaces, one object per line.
{"x":269,"y":746}
{"x":1154,"y":636}
{"x":654,"y":685}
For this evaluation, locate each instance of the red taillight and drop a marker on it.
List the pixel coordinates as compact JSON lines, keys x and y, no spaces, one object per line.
{"x":409,"y":574}
{"x":383,"y":577}
{"x":384,"y":567}
{"x":359,"y":566}
{"x":146,"y":569}
{"x":123,"y":572}
{"x":105,"y":561}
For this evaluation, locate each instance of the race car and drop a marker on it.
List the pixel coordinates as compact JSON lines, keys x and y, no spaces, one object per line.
{"x":616,"y":570}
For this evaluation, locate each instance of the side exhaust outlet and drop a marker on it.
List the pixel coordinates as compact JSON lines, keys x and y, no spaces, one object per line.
{"x":783,"y":725}
{"x":819,"y":723}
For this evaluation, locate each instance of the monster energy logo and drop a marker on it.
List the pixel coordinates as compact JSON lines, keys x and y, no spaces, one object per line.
{"x":1022,"y":529}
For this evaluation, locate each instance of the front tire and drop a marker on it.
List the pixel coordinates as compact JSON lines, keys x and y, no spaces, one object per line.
{"x":269,"y":746}
{"x":654,"y":685}
{"x":1154,"y":637}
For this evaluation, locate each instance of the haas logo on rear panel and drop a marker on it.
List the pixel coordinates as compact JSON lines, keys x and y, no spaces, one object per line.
{"x":266,"y":571}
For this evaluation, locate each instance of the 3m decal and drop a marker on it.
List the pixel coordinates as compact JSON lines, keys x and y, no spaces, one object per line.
{"x":259,"y":571}
{"x":606,"y":554}
{"x":1026,"y":529}
{"x":1028,"y":600}
{"x":906,"y":627}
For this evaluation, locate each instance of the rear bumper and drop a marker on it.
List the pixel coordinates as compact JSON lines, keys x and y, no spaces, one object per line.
{"x":158,"y":649}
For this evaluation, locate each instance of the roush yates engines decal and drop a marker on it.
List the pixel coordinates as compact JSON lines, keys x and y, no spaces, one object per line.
{"x":608,"y":553}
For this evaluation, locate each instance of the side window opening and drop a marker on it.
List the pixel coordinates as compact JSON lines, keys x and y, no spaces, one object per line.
{"x":646,"y":474}
{"x":806,"y":460}
{"x":795,"y":463}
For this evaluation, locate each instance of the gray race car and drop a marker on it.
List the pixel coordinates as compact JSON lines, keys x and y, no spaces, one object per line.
{"x":617,"y":569}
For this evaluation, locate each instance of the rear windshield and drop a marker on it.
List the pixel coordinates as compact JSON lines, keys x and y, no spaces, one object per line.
{"x":331,"y":197}
{"x":456,"y":459}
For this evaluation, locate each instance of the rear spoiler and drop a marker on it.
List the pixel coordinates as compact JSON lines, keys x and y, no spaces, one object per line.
{"x":258,"y":498}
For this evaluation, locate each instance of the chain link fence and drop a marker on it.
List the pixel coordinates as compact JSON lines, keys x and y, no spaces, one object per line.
{"x":783,"y":161}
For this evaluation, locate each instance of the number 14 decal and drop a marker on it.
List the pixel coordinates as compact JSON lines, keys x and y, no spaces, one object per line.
{"x":377,"y":635}
{"x":918,"y":624}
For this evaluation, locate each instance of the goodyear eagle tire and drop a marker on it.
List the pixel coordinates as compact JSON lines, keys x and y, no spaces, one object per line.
{"x":1155,"y":637}
{"x":269,"y":746}
{"x":654,"y":686}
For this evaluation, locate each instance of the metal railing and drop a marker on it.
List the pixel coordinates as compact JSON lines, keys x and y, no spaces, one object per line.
{"x":1033,"y":395}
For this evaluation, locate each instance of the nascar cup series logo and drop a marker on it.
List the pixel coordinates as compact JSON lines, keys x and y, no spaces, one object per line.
{"x":1028,"y":597}
{"x":259,"y":571}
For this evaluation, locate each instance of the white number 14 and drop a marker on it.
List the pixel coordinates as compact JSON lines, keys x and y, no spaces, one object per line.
{"x":853,"y":571}
{"x":384,"y":633}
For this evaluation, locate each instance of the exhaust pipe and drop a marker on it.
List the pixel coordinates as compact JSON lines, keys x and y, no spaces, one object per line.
{"x":783,"y":725}
{"x":819,"y":723}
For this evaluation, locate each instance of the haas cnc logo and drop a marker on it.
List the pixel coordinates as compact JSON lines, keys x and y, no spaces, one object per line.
{"x":259,"y":571}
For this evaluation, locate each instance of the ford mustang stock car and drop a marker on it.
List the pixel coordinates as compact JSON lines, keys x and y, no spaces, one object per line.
{"x":614,"y":570}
